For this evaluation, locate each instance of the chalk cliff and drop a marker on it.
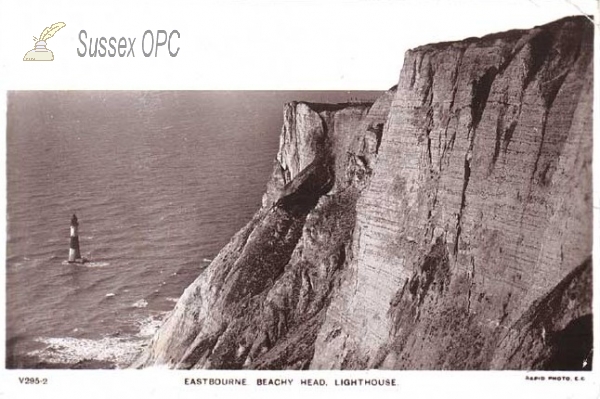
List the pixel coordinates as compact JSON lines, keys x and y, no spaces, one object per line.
{"x":446,"y":226}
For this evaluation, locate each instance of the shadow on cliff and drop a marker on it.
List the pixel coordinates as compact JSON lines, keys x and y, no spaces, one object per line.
{"x":573,"y":346}
{"x":556,"y":332}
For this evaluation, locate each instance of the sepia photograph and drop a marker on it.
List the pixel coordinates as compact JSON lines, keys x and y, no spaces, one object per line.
{"x":443,"y":222}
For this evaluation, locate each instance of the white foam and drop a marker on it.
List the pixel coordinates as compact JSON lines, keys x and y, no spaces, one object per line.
{"x":171,"y":299}
{"x":120,"y":351}
{"x":142,"y":303}
{"x":149,"y":326}
{"x":96,"y":264}
{"x":207,"y":260}
{"x":110,"y":295}
{"x":86,"y":264}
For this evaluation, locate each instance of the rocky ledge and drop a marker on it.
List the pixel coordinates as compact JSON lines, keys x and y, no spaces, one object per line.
{"x":445,"y":226}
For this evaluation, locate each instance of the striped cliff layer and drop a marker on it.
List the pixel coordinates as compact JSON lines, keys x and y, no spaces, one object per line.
{"x":446,"y":226}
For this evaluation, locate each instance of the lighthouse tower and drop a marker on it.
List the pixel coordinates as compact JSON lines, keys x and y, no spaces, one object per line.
{"x":74,"y":253}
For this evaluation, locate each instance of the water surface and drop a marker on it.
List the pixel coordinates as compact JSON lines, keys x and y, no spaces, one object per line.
{"x":160,"y":181}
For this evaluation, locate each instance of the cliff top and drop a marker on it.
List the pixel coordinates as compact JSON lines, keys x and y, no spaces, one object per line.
{"x":320,"y":107}
{"x":509,"y":35}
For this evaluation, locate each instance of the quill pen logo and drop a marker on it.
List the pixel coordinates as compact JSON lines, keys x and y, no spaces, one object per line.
{"x":40,"y":52}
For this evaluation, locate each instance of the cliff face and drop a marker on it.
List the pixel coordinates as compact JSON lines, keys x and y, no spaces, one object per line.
{"x":448,"y":225}
{"x":262,"y":300}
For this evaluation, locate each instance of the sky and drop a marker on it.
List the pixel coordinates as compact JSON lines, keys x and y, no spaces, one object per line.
{"x":258,"y":44}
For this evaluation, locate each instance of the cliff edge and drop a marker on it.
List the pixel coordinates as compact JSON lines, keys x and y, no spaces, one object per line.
{"x":445,"y":226}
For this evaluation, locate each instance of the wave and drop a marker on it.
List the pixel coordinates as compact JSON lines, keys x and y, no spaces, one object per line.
{"x":149,"y":326}
{"x":96,"y":264}
{"x":67,"y":350}
{"x":142,"y":303}
{"x":86,"y":264}
{"x":119,"y":350}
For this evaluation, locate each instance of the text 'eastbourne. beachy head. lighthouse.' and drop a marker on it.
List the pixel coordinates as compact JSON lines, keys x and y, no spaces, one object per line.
{"x":74,"y":252}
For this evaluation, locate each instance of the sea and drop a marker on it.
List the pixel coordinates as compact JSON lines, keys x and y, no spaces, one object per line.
{"x":159,"y":180}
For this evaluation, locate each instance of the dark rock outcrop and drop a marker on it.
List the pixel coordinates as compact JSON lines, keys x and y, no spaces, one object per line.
{"x":446,"y":226}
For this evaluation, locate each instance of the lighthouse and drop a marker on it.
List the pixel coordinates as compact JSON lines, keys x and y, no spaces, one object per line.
{"x":74,"y":253}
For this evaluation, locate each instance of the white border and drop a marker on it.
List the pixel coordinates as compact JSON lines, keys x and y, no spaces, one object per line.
{"x":264,"y":45}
